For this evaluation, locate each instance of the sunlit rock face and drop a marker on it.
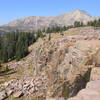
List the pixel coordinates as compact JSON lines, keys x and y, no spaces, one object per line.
{"x":92,"y":90}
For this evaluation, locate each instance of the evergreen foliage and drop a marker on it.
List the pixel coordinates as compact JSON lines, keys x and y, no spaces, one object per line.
{"x":95,"y":23}
{"x":78,"y":24}
{"x":15,"y":45}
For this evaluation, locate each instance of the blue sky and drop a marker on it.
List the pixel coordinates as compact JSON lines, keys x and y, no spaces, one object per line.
{"x":12,"y":9}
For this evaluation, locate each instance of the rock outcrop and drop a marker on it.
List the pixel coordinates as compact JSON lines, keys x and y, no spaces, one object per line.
{"x":3,"y":95}
{"x":92,"y":90}
{"x":95,"y":74}
{"x":59,"y":67}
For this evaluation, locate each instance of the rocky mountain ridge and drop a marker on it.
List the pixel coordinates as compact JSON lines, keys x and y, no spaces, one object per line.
{"x":38,"y":22}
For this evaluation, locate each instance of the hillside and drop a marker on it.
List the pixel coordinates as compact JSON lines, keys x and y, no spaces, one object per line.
{"x":55,"y":69}
{"x":38,"y":22}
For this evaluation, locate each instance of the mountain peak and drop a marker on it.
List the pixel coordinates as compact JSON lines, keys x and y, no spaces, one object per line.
{"x":33,"y":22}
{"x":81,"y":12}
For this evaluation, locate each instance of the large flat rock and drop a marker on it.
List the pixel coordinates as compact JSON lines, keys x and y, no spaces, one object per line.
{"x":95,"y":74}
{"x":91,"y":92}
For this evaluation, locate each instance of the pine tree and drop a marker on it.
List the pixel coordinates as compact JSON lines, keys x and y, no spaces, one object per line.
{"x":49,"y":37}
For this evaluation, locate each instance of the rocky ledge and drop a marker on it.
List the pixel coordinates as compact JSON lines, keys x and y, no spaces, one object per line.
{"x":92,"y":90}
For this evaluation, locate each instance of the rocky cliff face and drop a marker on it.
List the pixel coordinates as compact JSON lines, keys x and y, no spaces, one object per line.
{"x":92,"y":90}
{"x":56,"y":69}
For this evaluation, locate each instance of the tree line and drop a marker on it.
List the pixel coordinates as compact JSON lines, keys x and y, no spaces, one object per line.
{"x":94,"y":23}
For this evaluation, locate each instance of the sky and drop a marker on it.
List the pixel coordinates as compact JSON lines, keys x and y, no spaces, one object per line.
{"x":13,"y":9}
